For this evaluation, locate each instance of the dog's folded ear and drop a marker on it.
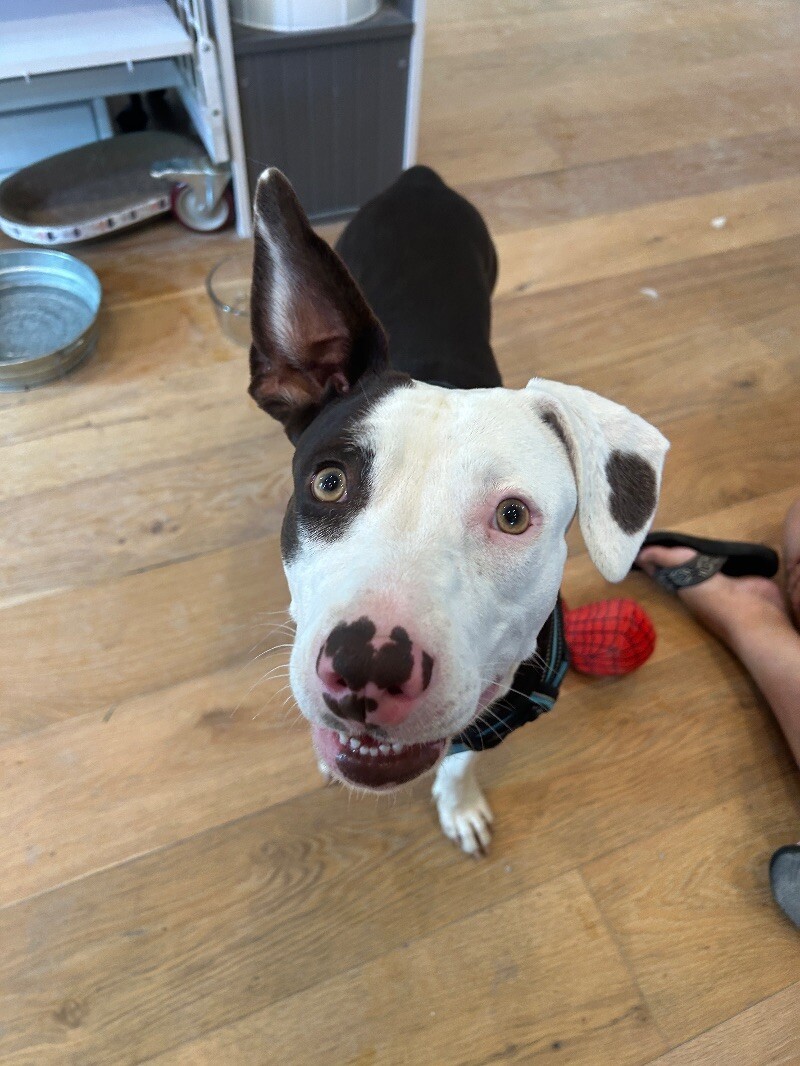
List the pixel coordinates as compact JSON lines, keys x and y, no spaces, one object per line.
{"x":616,"y":458}
{"x":313,"y":332}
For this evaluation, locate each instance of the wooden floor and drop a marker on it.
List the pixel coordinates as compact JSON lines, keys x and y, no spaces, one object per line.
{"x":175,"y":884}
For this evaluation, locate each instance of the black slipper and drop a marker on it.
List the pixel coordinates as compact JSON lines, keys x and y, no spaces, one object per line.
{"x":784,"y":879}
{"x":732,"y":557}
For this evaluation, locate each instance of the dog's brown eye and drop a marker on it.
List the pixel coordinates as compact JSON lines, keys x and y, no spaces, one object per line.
{"x":512,"y":516}
{"x":329,"y":485}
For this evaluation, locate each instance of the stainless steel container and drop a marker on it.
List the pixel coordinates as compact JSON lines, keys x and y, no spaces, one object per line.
{"x":48,"y":316}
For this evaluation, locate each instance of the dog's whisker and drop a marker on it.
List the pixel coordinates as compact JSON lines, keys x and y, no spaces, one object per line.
{"x":267,"y":638}
{"x":489,"y":724}
{"x":288,"y":627}
{"x":274,"y":634}
{"x":273,"y":649}
{"x":258,"y":682}
{"x":264,"y":654}
{"x":275,"y":671}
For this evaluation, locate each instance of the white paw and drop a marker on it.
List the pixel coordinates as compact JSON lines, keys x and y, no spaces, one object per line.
{"x":466,"y":819}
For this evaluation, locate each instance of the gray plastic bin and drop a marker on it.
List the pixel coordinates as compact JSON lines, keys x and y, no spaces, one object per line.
{"x":327,"y":107}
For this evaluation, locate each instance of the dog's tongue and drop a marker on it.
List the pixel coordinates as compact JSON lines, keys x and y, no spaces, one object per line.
{"x":370,"y":763}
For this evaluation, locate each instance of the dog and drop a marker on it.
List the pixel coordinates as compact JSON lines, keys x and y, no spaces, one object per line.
{"x":424,"y":543}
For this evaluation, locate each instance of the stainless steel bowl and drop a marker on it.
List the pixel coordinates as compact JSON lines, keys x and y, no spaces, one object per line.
{"x":48,"y":316}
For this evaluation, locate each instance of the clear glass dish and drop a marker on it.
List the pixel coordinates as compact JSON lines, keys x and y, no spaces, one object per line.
{"x":228,"y":286}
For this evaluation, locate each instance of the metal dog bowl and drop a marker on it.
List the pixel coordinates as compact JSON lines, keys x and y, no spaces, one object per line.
{"x":48,"y":316}
{"x":228,"y":285}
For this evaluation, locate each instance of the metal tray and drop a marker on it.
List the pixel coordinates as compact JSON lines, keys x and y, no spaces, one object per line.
{"x":90,"y":191}
{"x":48,"y":316}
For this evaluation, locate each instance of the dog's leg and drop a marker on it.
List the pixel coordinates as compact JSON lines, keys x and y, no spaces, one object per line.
{"x":464,"y":814}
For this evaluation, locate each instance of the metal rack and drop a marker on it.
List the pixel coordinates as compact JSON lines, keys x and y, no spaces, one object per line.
{"x":54,"y":53}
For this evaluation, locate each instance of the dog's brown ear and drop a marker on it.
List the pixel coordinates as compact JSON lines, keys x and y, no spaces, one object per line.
{"x":314,"y":334}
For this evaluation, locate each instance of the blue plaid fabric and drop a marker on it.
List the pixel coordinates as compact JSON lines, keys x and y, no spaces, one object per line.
{"x":534,"y":690}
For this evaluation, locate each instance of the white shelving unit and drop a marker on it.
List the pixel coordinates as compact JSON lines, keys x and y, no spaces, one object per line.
{"x":45,"y":36}
{"x":60,"y":59}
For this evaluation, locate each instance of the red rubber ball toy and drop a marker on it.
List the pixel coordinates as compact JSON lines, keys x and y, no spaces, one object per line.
{"x":609,"y":637}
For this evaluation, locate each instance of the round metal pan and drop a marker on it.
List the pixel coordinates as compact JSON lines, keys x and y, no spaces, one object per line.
{"x":48,"y":316}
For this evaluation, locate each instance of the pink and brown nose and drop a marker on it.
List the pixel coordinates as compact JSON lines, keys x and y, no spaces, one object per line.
{"x":370,"y":678}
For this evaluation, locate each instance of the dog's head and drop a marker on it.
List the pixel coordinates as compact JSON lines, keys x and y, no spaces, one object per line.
{"x":425,"y":541}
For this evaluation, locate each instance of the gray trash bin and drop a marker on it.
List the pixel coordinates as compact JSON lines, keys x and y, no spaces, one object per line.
{"x":327,"y":107}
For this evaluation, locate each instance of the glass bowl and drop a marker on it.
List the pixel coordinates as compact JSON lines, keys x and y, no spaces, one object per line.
{"x":228,"y":286}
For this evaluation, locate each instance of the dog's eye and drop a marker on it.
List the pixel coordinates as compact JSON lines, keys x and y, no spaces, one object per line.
{"x":329,"y":485}
{"x":512,"y":516}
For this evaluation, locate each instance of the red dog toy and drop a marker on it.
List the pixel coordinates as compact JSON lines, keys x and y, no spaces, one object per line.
{"x":609,"y":637}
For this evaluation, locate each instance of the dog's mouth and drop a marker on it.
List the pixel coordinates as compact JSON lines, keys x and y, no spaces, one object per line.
{"x":367,"y":762}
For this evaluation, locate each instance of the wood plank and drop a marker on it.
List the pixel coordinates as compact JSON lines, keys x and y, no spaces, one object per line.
{"x":722,"y":370}
{"x":572,"y":122}
{"x":764,"y":1035}
{"x":153,"y":769}
{"x":523,"y":201}
{"x":603,"y":766}
{"x":672,"y":53}
{"x":731,"y":466}
{"x":645,"y":237}
{"x":140,"y":958}
{"x":131,"y":520}
{"x":467,"y":26}
{"x":593,"y":320}
{"x":85,"y":649}
{"x":691,"y":909}
{"x":163,"y":384}
{"x":518,"y":1006}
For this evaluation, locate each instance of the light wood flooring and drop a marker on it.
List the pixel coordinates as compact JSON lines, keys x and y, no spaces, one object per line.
{"x":176,"y":885}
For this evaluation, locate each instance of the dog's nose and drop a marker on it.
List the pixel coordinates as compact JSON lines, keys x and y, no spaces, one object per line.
{"x":370,"y":678}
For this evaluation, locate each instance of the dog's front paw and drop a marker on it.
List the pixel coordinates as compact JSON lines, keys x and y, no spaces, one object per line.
{"x":465,"y":816}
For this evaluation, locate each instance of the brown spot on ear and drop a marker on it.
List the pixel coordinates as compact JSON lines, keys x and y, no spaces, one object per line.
{"x":551,"y":419}
{"x":633,"y":490}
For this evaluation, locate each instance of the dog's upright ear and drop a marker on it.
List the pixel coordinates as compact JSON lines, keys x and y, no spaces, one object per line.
{"x":616,"y":458}
{"x":313,"y":333}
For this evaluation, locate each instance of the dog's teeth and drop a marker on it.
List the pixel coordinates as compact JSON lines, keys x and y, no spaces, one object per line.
{"x":384,"y":749}
{"x":343,"y":738}
{"x":363,"y":750}
{"x":397,"y":746}
{"x":373,"y":751}
{"x":355,"y":743}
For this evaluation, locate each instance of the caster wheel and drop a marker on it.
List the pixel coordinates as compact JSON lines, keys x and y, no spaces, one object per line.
{"x":192,"y":214}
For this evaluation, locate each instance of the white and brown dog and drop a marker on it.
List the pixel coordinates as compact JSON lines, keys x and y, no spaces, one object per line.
{"x":424,"y":542}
